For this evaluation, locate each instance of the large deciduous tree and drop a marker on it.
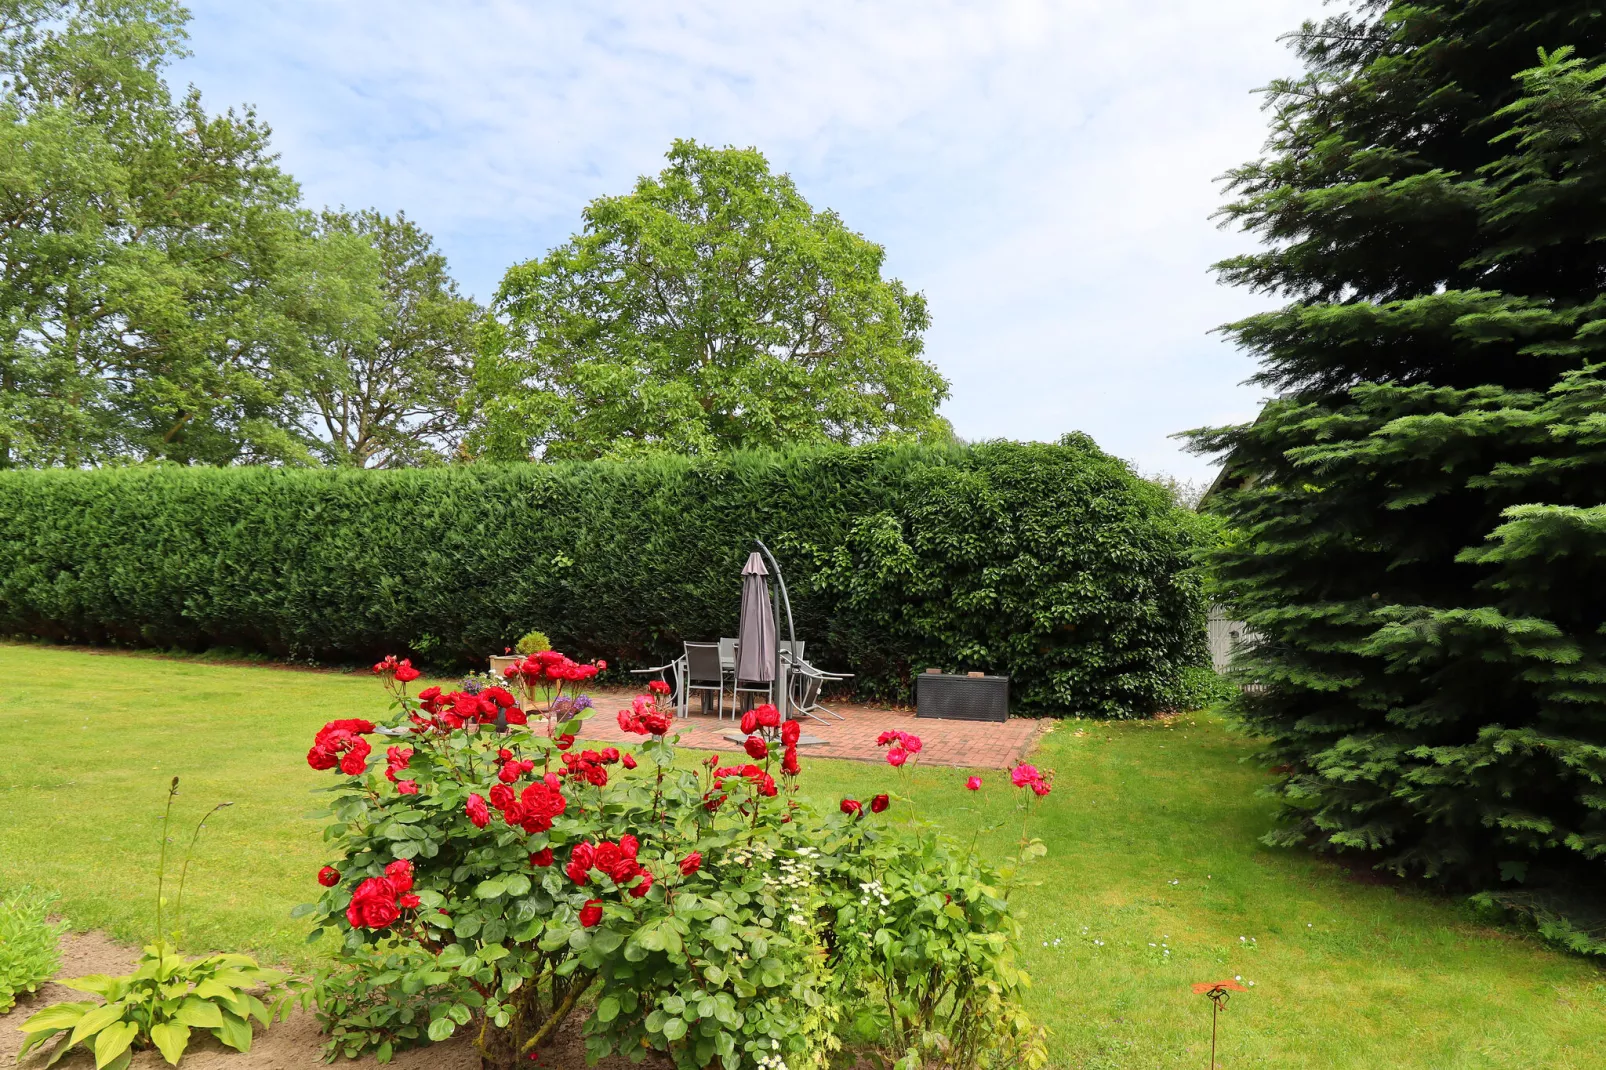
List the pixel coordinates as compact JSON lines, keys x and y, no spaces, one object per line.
{"x":146,"y":306}
{"x":710,"y":308}
{"x":1417,"y":535}
{"x":396,"y":340}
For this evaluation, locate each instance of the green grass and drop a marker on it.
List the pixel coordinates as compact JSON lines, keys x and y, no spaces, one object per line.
{"x":1152,"y":835}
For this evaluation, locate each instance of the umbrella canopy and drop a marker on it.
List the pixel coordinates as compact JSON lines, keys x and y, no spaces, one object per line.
{"x":755,"y":636}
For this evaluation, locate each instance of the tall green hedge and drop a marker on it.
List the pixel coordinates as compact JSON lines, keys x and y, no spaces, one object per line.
{"x":1051,"y":563}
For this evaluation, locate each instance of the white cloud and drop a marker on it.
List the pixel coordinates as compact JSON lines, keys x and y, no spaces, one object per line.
{"x":1043,"y":170}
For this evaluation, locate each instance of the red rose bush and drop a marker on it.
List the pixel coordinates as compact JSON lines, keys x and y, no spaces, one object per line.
{"x":497,"y":881}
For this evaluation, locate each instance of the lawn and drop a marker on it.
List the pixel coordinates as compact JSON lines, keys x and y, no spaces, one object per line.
{"x":1154,"y":877}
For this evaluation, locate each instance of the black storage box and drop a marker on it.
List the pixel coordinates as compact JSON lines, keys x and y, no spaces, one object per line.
{"x":962,"y":698}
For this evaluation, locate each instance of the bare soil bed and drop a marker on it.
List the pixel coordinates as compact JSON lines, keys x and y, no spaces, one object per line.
{"x":288,"y":1045}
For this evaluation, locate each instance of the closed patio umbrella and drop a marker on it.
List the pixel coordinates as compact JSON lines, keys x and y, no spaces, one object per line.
{"x":755,"y":635}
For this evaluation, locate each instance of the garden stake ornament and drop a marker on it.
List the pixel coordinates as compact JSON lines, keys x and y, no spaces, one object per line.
{"x":1218,"y":993}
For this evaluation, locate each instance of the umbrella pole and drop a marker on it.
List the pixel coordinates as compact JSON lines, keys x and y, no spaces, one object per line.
{"x":780,"y":675}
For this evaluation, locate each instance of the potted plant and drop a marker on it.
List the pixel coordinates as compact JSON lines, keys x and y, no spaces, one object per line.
{"x":531,"y":642}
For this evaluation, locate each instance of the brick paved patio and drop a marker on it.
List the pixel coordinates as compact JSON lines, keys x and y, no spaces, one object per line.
{"x":966,"y":744}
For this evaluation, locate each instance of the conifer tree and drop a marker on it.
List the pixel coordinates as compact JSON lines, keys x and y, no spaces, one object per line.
{"x":1417,"y":529}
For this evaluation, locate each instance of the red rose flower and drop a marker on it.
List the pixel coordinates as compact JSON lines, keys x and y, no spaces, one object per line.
{"x":658,"y":687}
{"x":476,"y":811}
{"x":565,"y":741}
{"x":766,"y":786}
{"x":407,"y":787}
{"x":328,"y":876}
{"x":628,"y":761}
{"x":879,"y":804}
{"x":580,"y":860}
{"x":768,"y":716}
{"x":1040,"y":787}
{"x":409,"y":901}
{"x":355,"y":763}
{"x":897,"y":756}
{"x":756,"y":747}
{"x":591,"y":913}
{"x":646,"y":884}
{"x":607,"y":854}
{"x":610,"y":754}
{"x":973,"y":784}
{"x":789,"y":762}
{"x":791,"y":732}
{"x":542,"y":858}
{"x":400,"y":874}
{"x":750,"y":722}
{"x":405,"y":673}
{"x":691,"y":863}
{"x":321,"y":759}
{"x":502,"y":796}
{"x":851,"y":806}
{"x":373,"y":904}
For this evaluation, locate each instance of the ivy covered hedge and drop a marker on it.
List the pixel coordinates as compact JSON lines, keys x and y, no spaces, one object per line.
{"x":1051,"y":563}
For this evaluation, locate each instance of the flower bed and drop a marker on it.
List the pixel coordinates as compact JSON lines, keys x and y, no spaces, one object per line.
{"x":501,"y":881}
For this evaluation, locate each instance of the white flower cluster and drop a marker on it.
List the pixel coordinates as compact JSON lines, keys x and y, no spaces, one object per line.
{"x":771,"y":1062}
{"x":797,"y":877}
{"x":873,"y":892}
{"x":743,"y":856}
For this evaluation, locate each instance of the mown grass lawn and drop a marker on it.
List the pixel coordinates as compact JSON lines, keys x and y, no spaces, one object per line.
{"x":1152,"y":834}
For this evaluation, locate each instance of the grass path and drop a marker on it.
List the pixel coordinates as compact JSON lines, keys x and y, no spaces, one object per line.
{"x":1152,"y":833}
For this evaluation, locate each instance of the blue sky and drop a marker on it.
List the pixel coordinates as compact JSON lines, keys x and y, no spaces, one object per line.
{"x":1043,"y":171}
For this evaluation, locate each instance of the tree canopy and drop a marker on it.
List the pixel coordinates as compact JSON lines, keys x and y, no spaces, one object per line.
{"x":397,"y":346}
{"x":710,"y":308}
{"x":163,"y":294}
{"x":1416,"y":534}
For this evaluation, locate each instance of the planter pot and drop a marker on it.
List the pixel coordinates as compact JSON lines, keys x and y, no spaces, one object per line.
{"x":500,"y":662}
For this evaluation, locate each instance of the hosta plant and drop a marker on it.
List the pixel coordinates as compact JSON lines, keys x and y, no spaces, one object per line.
{"x":167,"y":997}
{"x":159,"y":1005}
{"x":28,"y":956}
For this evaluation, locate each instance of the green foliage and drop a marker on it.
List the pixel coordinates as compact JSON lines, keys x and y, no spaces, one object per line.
{"x":1416,"y":527}
{"x":712,"y":308}
{"x":532,"y":642}
{"x":377,"y":999}
{"x":395,"y":341}
{"x":28,"y":955}
{"x":927,"y":938}
{"x":1051,"y":563}
{"x":159,"y":1004}
{"x":149,"y":286}
{"x":162,"y":293}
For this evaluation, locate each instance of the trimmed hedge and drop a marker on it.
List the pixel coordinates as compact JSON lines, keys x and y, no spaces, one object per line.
{"x":1051,"y":563}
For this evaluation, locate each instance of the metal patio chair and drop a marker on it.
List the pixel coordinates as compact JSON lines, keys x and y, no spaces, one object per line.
{"x":807,"y":682}
{"x":704,"y":673}
{"x":673,"y":673}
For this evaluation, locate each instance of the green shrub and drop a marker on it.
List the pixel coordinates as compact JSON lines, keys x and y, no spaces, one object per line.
{"x":532,"y":642}
{"x":497,"y":884}
{"x":1051,"y":563}
{"x":28,"y":956}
